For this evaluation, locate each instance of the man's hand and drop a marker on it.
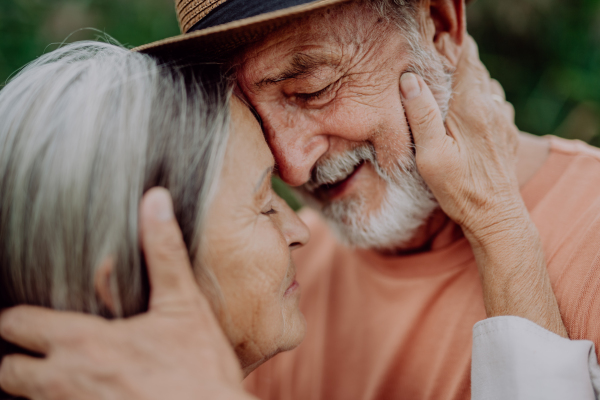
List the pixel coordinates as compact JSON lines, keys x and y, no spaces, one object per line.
{"x":175,"y":351}
{"x":470,"y":165}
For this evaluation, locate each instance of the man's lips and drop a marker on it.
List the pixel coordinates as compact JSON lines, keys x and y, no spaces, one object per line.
{"x":332,"y":191}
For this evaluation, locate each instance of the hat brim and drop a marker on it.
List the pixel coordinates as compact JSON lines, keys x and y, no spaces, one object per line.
{"x":219,"y":42}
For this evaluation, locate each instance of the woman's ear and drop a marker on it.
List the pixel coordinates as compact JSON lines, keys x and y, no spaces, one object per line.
{"x":449,"y":19}
{"x":102,"y":284}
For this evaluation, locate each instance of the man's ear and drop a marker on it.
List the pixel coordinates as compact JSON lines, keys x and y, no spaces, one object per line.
{"x":449,"y":19}
{"x":102,"y":284}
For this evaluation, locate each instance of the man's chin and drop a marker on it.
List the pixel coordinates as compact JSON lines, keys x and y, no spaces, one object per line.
{"x":391,"y":225}
{"x":375,"y":234}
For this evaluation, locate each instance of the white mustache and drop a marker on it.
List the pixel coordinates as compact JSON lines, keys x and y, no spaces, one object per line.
{"x":333,"y":170}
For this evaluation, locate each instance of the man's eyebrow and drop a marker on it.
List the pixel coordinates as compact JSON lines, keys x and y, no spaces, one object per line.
{"x":267,"y":172}
{"x":302,"y":64}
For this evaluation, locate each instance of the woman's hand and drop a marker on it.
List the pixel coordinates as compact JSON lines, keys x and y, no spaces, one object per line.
{"x":174,"y":351}
{"x":470,"y":165}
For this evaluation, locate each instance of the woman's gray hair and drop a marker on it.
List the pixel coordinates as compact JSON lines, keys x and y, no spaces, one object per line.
{"x":84,"y":131}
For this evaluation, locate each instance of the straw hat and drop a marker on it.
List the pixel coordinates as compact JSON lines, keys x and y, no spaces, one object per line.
{"x":212,"y":29}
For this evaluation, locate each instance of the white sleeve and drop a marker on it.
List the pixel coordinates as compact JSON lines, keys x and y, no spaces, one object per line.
{"x":513,"y":358}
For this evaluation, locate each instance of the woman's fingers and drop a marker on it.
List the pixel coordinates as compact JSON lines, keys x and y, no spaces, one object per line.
{"x":470,"y":76}
{"x":497,"y":90}
{"x":169,"y":269}
{"x":423,"y":113}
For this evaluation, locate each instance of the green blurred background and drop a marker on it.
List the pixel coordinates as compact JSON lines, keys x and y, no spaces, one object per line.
{"x":546,"y":53}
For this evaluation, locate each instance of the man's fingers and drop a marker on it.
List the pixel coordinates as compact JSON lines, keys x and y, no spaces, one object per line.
{"x":18,"y":374}
{"x":169,"y":267}
{"x":40,"y":329}
{"x":422,"y":112}
{"x":27,"y":327}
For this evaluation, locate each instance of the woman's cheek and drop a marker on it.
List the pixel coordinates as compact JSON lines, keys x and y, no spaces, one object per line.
{"x":274,"y":262}
{"x":252,"y":269}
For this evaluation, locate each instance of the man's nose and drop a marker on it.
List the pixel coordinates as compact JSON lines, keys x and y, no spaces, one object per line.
{"x":296,"y":152}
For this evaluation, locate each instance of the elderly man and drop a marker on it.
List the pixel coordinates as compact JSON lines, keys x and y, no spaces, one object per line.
{"x":391,"y":289}
{"x":326,"y":89}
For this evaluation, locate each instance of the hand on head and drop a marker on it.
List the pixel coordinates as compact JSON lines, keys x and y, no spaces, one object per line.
{"x":175,"y":350}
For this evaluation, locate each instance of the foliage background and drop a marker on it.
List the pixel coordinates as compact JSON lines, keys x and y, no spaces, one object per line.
{"x":546,"y":53}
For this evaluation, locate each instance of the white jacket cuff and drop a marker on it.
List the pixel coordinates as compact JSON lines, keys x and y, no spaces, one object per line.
{"x":513,"y":358}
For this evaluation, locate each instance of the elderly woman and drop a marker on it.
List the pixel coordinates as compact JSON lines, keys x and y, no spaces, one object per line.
{"x":88,"y":132}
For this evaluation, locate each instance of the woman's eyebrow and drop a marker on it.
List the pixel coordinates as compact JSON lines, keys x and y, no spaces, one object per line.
{"x":265,"y":174}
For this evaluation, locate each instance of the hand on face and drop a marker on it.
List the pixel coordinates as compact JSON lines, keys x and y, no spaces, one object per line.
{"x":470,"y":166}
{"x":176,"y":350}
{"x":470,"y":162}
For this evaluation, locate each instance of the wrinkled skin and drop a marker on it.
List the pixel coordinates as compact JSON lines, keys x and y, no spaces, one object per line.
{"x":351,"y":97}
{"x":353,"y":94}
{"x":430,"y":134}
{"x":250,"y":232}
{"x":176,"y":348}
{"x":362,"y":104}
{"x":248,"y":242}
{"x":479,"y":179}
{"x":479,"y":189}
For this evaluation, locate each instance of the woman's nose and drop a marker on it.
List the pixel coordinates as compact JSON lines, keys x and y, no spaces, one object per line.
{"x":295,"y":231}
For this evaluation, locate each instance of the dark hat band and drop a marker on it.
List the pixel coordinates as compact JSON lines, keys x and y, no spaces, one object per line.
{"x":235,"y":10}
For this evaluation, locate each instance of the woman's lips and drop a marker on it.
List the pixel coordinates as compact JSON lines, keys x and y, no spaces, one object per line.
{"x":331,"y":192}
{"x":295,"y":285}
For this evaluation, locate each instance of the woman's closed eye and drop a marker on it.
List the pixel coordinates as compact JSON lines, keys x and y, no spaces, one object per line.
{"x":270,"y":211}
{"x":269,"y":204}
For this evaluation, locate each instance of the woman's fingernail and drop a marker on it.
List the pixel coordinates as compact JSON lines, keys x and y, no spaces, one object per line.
{"x":409,"y":86}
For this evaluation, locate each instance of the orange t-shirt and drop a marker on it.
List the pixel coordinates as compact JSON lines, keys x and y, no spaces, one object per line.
{"x":401,"y":327}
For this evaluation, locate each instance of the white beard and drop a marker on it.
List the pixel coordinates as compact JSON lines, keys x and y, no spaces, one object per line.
{"x":407,"y":204}
{"x":406,"y":207}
